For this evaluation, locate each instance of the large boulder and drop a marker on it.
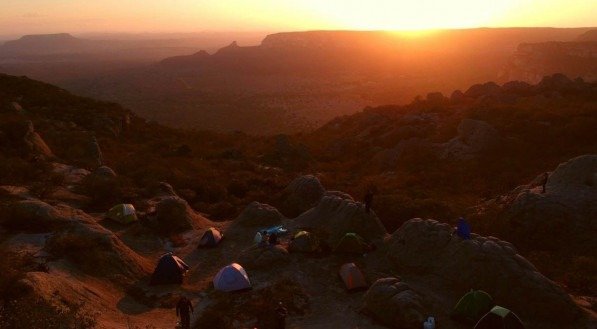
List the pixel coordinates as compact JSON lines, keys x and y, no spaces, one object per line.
{"x":101,"y":183}
{"x":486,"y":263}
{"x":333,"y":217}
{"x":574,"y":177}
{"x":34,"y":144}
{"x":72,"y":175}
{"x":164,"y":189}
{"x":97,"y":251}
{"x":301,"y":194}
{"x":258,"y":257}
{"x":474,"y":137}
{"x":94,"y":153}
{"x":259,"y":215}
{"x":173,"y":214}
{"x":394,"y":303}
{"x":567,"y":210}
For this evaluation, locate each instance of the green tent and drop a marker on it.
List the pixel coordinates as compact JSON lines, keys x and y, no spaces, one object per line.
{"x":122,"y":213}
{"x":352,"y":243}
{"x":303,"y":241}
{"x":472,"y":306}
{"x":499,"y":318}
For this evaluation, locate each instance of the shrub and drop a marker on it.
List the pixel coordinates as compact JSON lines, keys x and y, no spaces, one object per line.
{"x":31,"y":312}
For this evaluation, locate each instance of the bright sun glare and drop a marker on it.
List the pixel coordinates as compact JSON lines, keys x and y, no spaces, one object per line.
{"x":45,"y":16}
{"x":411,"y":15}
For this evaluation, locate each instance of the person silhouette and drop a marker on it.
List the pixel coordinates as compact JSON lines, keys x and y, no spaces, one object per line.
{"x":184,"y":308}
{"x":368,"y":200}
{"x":281,"y":314}
{"x":544,"y":182}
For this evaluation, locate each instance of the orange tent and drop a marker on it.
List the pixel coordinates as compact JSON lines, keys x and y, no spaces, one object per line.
{"x":353,"y":277}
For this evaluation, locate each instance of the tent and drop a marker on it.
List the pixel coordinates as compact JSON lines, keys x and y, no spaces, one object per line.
{"x":232,"y":278}
{"x":352,"y":277}
{"x":211,"y":238}
{"x":472,"y":306}
{"x":279,"y":230}
{"x":352,"y":243}
{"x":499,"y":318}
{"x":122,"y":213}
{"x":303,"y":241}
{"x":170,"y":270}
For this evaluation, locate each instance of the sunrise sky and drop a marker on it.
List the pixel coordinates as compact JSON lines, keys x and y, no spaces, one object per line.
{"x":19,"y":17}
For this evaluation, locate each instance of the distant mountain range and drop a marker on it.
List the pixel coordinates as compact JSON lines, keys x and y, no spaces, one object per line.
{"x":301,"y":79}
{"x":64,"y":46}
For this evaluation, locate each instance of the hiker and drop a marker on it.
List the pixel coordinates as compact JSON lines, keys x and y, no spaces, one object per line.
{"x":264,"y":239}
{"x":258,"y":238}
{"x":281,"y":314}
{"x":463,"y":229}
{"x":544,"y":182}
{"x":368,"y":200}
{"x":273,"y":239}
{"x":184,"y":308}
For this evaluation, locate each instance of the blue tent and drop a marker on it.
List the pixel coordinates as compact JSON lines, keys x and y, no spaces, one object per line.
{"x":170,"y":270}
{"x":463,"y":229}
{"x":279,"y":230}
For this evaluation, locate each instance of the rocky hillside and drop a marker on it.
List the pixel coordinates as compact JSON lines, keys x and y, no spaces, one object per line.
{"x":67,"y":159}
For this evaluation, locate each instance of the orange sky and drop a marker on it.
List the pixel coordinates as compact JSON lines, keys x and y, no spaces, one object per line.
{"x":51,"y":16}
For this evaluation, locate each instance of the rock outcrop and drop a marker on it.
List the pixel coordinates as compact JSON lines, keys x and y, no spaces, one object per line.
{"x":72,"y":175}
{"x":102,"y":182}
{"x":34,"y":144}
{"x":567,"y":210}
{"x":259,"y":215}
{"x":486,"y":263}
{"x":97,"y":251}
{"x":173,"y":214}
{"x":31,"y":216}
{"x":474,"y":137}
{"x":333,"y":217}
{"x":486,"y":89}
{"x":394,"y":303}
{"x":301,"y":194}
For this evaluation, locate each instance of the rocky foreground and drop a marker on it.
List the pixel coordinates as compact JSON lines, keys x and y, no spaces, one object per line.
{"x":67,"y":263}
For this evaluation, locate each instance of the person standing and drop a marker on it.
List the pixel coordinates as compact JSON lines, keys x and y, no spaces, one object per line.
{"x":544,"y":182}
{"x":281,"y":314}
{"x":184,"y":308}
{"x":368,"y":200}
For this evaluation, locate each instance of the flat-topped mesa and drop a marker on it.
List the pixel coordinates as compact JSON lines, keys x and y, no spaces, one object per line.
{"x":49,"y":37}
{"x":486,"y":263}
{"x":532,"y":61}
{"x":326,"y":39}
